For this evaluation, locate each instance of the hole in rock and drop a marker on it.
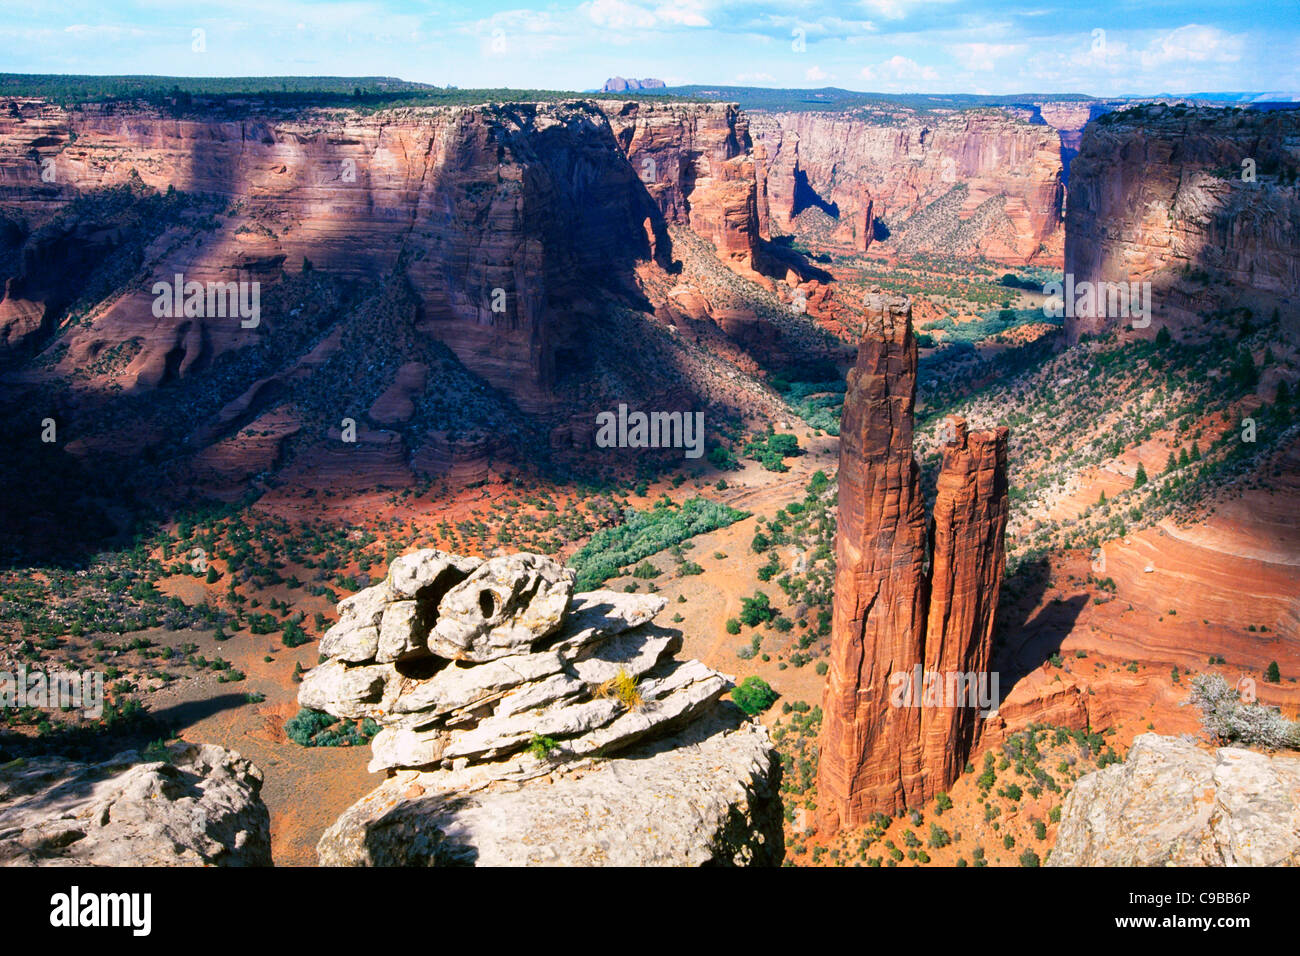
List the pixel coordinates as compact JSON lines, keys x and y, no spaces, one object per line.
{"x":487,"y":603}
{"x":422,"y":667}
{"x":430,"y":596}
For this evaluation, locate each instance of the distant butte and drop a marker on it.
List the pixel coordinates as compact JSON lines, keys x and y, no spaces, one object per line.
{"x":617,"y":84}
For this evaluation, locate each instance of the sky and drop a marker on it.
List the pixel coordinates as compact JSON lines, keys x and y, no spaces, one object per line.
{"x":1100,"y":47}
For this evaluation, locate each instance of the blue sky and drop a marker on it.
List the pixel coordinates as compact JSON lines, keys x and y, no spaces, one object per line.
{"x":1102,"y":47}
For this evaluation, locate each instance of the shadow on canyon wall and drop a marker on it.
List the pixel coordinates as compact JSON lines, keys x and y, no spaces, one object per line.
{"x":806,"y":197}
{"x":132,"y":446}
{"x":1025,"y":634}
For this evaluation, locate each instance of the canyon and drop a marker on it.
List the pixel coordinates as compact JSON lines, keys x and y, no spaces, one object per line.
{"x":461,"y":289}
{"x":526,"y":199}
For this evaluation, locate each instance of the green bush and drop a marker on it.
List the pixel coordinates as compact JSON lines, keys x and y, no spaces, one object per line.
{"x":540,"y":746}
{"x":756,"y":610}
{"x":644,"y":533}
{"x":315,"y":728}
{"x":753,"y":695}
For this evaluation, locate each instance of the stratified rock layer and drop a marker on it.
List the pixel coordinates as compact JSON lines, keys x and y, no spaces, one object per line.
{"x":1173,"y":803}
{"x":1202,"y":203}
{"x":967,"y":562}
{"x":870,"y":754}
{"x":203,"y":808}
{"x":892,"y":620}
{"x":706,"y":796}
{"x":491,"y":676}
{"x":501,"y":217}
{"x":696,"y":163}
{"x":975,"y":183}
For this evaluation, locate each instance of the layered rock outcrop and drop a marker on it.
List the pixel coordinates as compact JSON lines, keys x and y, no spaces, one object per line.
{"x":493,"y":679}
{"x":702,"y":797}
{"x":967,"y":560}
{"x":1174,"y":803}
{"x":1200,"y":202}
{"x":976,"y":183}
{"x":887,"y":744}
{"x":697,"y":163}
{"x":618,"y":84}
{"x":499,"y":215}
{"x":200,"y":807}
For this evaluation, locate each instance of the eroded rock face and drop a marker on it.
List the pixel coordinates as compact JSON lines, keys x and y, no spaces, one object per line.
{"x":892,"y":619}
{"x":968,"y":559}
{"x":506,"y":605}
{"x":535,"y":200}
{"x":1174,"y":803}
{"x":507,"y":677}
{"x":202,"y":809}
{"x":1159,"y":195}
{"x":708,"y":795}
{"x":978,"y":182}
{"x":696,"y":163}
{"x":869,"y":755}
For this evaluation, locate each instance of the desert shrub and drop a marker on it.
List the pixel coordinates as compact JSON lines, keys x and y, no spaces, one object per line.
{"x":623,"y":687}
{"x":756,"y":610}
{"x":939,"y":836}
{"x":1226,"y":717}
{"x":753,"y":695}
{"x":315,"y":728}
{"x":540,"y":746}
{"x":644,"y":533}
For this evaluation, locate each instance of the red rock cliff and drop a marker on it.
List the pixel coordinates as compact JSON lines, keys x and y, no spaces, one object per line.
{"x":1157,"y":195}
{"x":967,"y":562}
{"x":980,"y":182}
{"x":696,"y":162}
{"x":870,"y":754}
{"x":890,"y":616}
{"x":531,"y":199}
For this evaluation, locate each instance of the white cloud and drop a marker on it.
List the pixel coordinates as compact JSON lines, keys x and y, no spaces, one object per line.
{"x":896,"y":9}
{"x":682,"y":12}
{"x":617,"y":15}
{"x":1192,"y":44}
{"x":898,"y":69}
{"x":983,"y":57}
{"x":622,"y":15}
{"x":815,"y":74}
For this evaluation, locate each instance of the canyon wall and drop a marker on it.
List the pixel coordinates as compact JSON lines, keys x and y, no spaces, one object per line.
{"x":531,"y":199}
{"x":697,"y":163}
{"x":976,"y":183}
{"x":892,"y":616}
{"x":1157,"y":195}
